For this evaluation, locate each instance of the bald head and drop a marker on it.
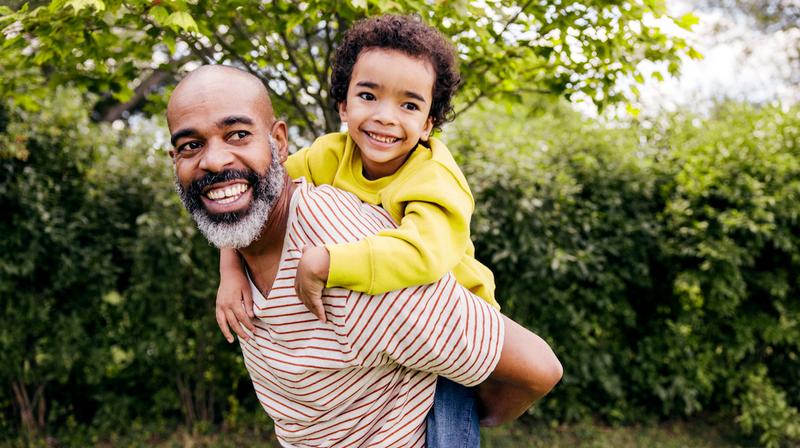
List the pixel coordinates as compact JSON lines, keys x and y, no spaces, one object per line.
{"x":211,"y":81}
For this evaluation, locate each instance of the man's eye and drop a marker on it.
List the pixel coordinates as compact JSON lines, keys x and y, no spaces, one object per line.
{"x":366,"y":96}
{"x":238,"y":135}
{"x":190,"y":146}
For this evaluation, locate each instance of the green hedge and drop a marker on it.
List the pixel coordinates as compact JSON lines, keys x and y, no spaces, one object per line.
{"x":106,"y":320}
{"x":659,"y":259}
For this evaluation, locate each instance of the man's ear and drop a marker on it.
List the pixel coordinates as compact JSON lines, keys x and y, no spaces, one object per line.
{"x":343,"y":111}
{"x":280,"y":136}
{"x":427,"y":129}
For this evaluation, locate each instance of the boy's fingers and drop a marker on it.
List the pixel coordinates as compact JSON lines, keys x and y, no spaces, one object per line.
{"x":243,"y":318}
{"x":312,"y":305}
{"x":223,"y":325}
{"x":318,"y":309}
{"x":248,"y":304}
{"x":233,"y":322}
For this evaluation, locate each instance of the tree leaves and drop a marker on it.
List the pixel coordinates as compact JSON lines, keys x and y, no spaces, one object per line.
{"x":79,"y":5}
{"x":181,"y":21}
{"x":670,"y":249}
{"x":568,"y":48}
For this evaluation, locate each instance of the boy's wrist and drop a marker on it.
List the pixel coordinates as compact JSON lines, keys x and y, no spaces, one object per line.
{"x":229,"y":260}
{"x":320,"y":262}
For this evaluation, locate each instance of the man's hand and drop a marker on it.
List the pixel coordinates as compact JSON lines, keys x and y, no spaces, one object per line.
{"x":234,"y":305}
{"x":312,"y":275}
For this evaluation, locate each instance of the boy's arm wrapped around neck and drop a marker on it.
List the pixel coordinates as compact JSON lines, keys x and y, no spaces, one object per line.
{"x":430,"y":240}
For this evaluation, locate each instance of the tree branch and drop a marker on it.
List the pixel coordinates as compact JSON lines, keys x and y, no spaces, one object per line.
{"x":310,"y":54}
{"x":298,"y":68}
{"x":508,"y":23}
{"x":295,"y":102}
{"x":155,"y":78}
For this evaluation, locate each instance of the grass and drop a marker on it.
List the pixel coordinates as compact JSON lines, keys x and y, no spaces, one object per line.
{"x":522,"y":434}
{"x":594,"y":435}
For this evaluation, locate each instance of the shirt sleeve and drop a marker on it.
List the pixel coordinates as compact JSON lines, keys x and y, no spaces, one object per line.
{"x":430,"y":240}
{"x":439,"y":328}
{"x":317,"y":163}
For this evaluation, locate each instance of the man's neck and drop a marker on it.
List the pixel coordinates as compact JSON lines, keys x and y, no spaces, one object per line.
{"x":263,"y":255}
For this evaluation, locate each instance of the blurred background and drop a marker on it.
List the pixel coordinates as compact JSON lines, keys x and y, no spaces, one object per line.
{"x":636,"y":169}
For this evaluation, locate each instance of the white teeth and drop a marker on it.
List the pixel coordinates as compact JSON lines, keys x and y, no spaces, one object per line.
{"x":382,"y":139}
{"x":227,"y":194}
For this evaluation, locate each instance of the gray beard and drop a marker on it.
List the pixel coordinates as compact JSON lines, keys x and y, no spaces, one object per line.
{"x":240,"y":232}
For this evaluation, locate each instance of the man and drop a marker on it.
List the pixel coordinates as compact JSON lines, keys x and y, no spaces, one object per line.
{"x":366,"y":377}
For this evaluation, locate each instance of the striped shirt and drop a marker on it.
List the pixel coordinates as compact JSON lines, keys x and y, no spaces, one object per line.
{"x":366,"y":377}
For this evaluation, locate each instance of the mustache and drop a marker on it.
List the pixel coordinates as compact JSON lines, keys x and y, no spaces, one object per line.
{"x":191,"y":196}
{"x":197,"y":186}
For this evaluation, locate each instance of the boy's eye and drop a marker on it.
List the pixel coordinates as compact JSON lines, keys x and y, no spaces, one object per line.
{"x":366,"y":96}
{"x":238,"y":135}
{"x":189,"y":146}
{"x":410,"y":106}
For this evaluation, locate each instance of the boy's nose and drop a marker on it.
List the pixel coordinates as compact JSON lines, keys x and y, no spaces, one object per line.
{"x":216,"y":157}
{"x":385,"y":114}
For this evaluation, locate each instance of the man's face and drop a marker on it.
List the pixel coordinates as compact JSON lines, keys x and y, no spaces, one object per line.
{"x":227,"y":164}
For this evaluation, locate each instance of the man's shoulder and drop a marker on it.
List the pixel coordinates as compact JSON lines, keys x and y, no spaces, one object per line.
{"x":337,"y":216}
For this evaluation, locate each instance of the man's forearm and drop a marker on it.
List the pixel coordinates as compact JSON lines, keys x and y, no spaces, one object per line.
{"x":528,"y":369}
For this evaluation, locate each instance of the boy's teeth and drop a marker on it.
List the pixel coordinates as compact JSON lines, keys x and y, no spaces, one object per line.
{"x":381,"y":138}
{"x":228,"y":192}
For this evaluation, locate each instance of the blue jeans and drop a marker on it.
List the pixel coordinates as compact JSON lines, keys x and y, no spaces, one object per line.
{"x":453,"y":419}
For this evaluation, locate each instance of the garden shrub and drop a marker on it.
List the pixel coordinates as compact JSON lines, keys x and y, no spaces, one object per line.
{"x":108,"y":290}
{"x":659,"y":259}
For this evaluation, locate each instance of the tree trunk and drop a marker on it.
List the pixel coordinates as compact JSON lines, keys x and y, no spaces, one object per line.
{"x":187,"y":402}
{"x":31,"y":411}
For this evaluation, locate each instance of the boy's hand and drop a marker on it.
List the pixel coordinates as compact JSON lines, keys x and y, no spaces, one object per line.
{"x":312,"y":275}
{"x":234,"y":306}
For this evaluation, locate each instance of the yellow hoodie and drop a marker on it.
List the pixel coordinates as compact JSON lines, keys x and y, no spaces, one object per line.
{"x":430,"y":200}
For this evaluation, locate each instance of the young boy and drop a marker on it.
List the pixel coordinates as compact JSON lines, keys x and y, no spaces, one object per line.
{"x":393,"y":78}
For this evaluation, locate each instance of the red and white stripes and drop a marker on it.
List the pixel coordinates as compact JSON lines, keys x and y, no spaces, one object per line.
{"x":367,"y":376}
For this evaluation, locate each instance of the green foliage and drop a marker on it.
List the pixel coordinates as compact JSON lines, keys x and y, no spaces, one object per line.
{"x":561,"y":217}
{"x":127,"y":51}
{"x":661,"y":262}
{"x":732,"y":203}
{"x":57,"y":255}
{"x":765,"y":409}
{"x":107,"y":310}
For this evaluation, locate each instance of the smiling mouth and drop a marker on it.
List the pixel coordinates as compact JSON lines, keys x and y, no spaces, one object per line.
{"x":382,"y":138}
{"x":227,"y":194}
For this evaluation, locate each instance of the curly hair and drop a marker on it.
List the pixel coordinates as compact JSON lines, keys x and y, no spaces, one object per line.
{"x":407,"y":34}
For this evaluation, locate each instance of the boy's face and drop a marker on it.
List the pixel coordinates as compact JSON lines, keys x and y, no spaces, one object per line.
{"x":387,"y":108}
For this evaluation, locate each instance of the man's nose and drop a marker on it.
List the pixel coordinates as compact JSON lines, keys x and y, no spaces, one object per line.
{"x":217,"y":157}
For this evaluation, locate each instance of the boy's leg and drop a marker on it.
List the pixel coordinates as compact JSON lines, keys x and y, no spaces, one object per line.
{"x":453,"y":419}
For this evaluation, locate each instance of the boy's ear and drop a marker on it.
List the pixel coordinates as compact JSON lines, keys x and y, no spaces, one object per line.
{"x":343,"y":111}
{"x":427,"y":129}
